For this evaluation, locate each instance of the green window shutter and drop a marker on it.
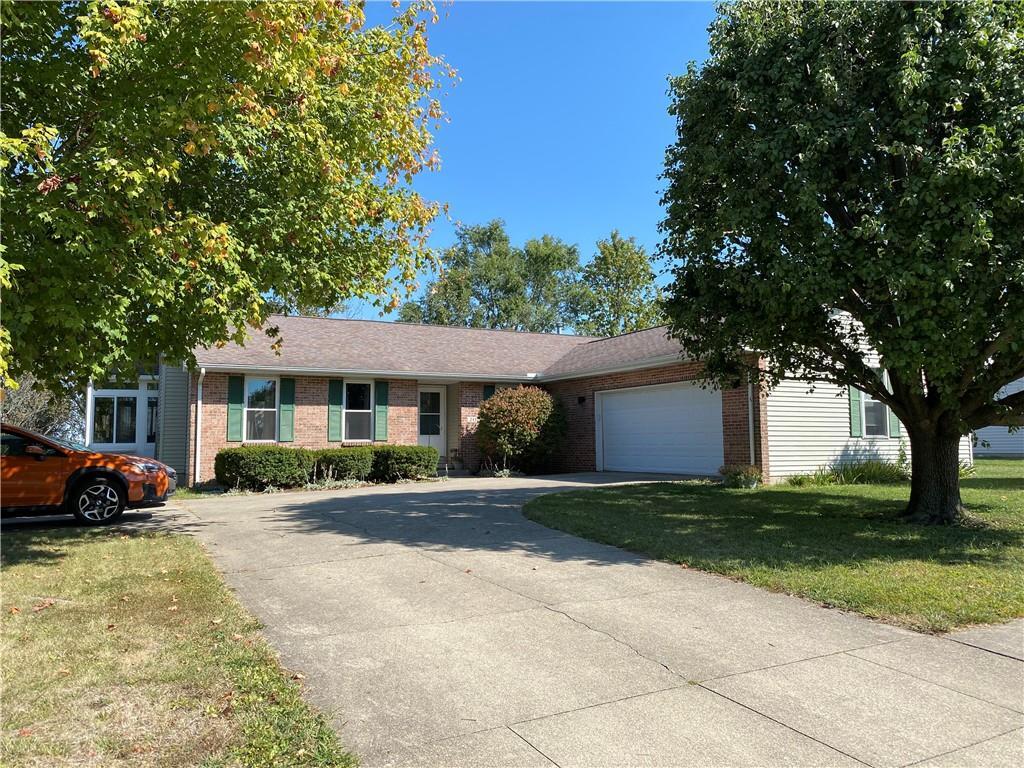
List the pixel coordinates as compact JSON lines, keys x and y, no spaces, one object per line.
{"x":856,"y":427}
{"x":894,"y":424}
{"x":286,"y":413}
{"x":236,"y":408}
{"x":335,"y":407}
{"x":488,"y":391}
{"x":380,"y":410}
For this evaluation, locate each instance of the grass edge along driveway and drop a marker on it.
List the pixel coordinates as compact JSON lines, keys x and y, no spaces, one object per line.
{"x":126,"y":646}
{"x":840,"y":546}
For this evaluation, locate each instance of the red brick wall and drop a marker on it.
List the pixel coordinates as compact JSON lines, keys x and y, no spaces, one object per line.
{"x":471,"y":394}
{"x":310,"y":417}
{"x":579,"y":453}
{"x":403,"y":416}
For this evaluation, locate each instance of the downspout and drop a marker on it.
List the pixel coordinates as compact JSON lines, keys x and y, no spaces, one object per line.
{"x":750,"y":419}
{"x":88,"y":414}
{"x":199,"y":425}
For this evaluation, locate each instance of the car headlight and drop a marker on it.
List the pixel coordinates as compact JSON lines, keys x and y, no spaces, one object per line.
{"x":170,"y":472}
{"x":145,"y":468}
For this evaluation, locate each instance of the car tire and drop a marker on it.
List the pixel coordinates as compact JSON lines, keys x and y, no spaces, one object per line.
{"x":97,"y":501}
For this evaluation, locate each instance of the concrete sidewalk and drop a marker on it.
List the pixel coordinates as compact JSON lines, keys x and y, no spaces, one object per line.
{"x":438,"y":626}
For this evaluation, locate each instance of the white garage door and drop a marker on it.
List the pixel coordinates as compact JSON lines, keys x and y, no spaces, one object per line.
{"x":665,"y":428}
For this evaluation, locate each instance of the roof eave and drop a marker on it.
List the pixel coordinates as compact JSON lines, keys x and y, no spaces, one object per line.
{"x":635,"y":365}
{"x":365,"y":373}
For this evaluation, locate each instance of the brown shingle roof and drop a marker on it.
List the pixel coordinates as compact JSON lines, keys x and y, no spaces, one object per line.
{"x":616,"y":352}
{"x":328,"y":344}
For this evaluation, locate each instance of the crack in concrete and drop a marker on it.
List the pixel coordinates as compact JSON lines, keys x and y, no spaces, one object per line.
{"x":617,"y":640}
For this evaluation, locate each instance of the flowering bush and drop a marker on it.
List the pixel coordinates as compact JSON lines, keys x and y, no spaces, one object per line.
{"x":520,"y":428}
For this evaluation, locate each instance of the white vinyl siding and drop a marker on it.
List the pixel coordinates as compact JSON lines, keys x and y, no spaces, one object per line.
{"x":1000,"y":441}
{"x":811,"y":430}
{"x":672,"y":428}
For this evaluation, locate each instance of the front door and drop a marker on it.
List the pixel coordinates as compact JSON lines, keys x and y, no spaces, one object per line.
{"x":432,"y":418}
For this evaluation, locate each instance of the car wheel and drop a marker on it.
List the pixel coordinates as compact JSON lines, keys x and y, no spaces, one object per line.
{"x":96,"y":501}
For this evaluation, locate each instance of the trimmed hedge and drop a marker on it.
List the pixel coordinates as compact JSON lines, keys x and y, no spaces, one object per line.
{"x":258,"y":467}
{"x":403,"y":462}
{"x":342,"y":463}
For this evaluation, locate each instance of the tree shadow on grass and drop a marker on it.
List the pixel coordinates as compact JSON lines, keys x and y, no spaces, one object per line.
{"x":45,"y":539}
{"x":777,"y":527}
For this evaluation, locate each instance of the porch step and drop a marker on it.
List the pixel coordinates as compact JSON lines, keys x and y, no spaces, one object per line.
{"x":444,"y":469}
{"x":442,"y":472}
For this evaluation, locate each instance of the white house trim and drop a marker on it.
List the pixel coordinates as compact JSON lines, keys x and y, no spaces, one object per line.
{"x":380,"y":374}
{"x":199,"y":425}
{"x":245,"y":407}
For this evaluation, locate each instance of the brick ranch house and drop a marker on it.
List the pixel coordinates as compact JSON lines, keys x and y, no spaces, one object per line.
{"x":633,"y":402}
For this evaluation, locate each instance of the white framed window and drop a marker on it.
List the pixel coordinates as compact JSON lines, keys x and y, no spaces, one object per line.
{"x":122,"y":414}
{"x":261,"y":401}
{"x":114,"y":418}
{"x":875,"y":414}
{"x":358,"y":412}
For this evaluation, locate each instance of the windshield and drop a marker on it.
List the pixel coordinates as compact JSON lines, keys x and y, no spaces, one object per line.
{"x":67,"y":444}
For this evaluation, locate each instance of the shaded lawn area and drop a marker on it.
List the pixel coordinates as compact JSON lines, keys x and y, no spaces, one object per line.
{"x":124,"y":647}
{"x":837,"y":545}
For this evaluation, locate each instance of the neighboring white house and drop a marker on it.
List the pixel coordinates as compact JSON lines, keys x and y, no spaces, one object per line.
{"x":999,"y":441}
{"x":811,"y":429}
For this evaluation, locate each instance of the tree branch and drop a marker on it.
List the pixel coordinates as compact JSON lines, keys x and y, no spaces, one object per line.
{"x":1005,"y":412}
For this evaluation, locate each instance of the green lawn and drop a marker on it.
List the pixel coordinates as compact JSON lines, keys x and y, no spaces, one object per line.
{"x":837,"y":545}
{"x":123,"y":648}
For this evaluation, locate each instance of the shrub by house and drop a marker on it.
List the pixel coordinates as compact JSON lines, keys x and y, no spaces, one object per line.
{"x":259,"y":467}
{"x":520,"y":428}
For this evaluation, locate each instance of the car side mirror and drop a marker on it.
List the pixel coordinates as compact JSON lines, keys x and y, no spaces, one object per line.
{"x":35,"y":450}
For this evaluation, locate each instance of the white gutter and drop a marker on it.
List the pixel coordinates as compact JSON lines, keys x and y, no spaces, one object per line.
{"x":750,"y":419}
{"x":634,"y":365}
{"x":368,"y":373}
{"x":199,"y":424}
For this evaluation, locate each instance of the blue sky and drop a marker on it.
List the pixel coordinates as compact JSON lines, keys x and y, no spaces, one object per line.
{"x":558,"y":123}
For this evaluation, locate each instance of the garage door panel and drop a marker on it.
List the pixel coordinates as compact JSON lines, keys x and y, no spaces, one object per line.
{"x":675,"y":428}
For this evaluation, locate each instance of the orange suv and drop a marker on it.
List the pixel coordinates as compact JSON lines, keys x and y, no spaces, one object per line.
{"x":46,"y":475}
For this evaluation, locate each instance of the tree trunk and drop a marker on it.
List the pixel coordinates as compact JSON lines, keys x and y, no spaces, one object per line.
{"x":935,"y":478}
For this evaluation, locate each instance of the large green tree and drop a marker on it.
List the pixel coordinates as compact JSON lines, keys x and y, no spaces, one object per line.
{"x":172,"y":171}
{"x":851,"y":176}
{"x":618,"y":293}
{"x":487,"y":282}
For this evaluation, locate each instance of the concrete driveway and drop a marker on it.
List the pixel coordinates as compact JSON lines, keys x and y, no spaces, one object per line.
{"x":438,"y":626}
